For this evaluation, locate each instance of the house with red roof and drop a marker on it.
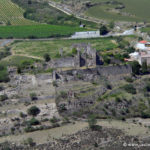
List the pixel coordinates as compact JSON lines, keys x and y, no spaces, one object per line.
{"x":143,"y":46}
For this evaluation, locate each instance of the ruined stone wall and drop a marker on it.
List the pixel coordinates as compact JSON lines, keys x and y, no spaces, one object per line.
{"x":93,"y":73}
{"x":63,"y":62}
{"x":114,"y":70}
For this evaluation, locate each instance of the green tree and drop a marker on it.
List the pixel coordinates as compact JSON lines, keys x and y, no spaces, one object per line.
{"x":135,"y":67}
{"x":103,"y":30}
{"x":74,"y":51}
{"x":144,"y":67}
{"x":47,"y":57}
{"x":33,"y":111}
{"x":92,"y":121}
{"x":111,"y":25}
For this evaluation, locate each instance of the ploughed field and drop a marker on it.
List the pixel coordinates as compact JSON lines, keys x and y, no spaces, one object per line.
{"x":37,"y":31}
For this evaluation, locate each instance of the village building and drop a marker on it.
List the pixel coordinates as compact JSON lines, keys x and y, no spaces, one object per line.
{"x":142,"y":53}
{"x":143,"y":46}
{"x":86,"y":34}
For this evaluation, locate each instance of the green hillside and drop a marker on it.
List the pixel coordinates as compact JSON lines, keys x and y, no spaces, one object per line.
{"x":127,"y":10}
{"x":37,"y":31}
{"x":10,"y":13}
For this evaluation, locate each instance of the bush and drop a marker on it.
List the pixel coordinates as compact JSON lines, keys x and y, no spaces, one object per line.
{"x":144,"y":68}
{"x":63,"y":94}
{"x":128,"y":79}
{"x":22,"y":115}
{"x":3,"y":97}
{"x":33,"y":96}
{"x":1,"y":88}
{"x":33,"y":121}
{"x":92,"y":121}
{"x":145,"y":114}
{"x":19,"y":70}
{"x":4,"y":77}
{"x":53,"y":120}
{"x":34,"y":111}
{"x":135,"y":67}
{"x":130,"y":89}
{"x":55,"y":84}
{"x":74,"y":51}
{"x":29,"y":142}
{"x":103,"y":30}
{"x":147,"y":87}
{"x":47,"y":57}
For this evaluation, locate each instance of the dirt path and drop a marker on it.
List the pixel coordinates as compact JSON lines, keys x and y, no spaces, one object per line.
{"x":5,"y":42}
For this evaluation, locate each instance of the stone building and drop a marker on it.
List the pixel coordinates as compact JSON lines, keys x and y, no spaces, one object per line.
{"x":86,"y":56}
{"x":87,"y":34}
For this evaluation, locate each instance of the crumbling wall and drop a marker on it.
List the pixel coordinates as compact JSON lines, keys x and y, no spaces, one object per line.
{"x":93,"y":73}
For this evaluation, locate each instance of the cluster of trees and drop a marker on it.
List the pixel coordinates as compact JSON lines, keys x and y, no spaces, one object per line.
{"x":4,"y":77}
{"x":139,"y":69}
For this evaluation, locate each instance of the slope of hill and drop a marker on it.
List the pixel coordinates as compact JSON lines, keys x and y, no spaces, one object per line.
{"x":10,"y":13}
{"x":125,"y":10}
{"x":41,"y":11}
{"x":119,"y":10}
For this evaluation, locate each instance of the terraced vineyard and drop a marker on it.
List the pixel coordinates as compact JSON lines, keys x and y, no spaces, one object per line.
{"x":12,"y":14}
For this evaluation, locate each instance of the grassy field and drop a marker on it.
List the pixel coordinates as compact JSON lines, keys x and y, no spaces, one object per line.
{"x":17,"y":60}
{"x":39,"y":48}
{"x":135,"y":10}
{"x":147,"y":29}
{"x":37,"y":31}
{"x":9,"y":12}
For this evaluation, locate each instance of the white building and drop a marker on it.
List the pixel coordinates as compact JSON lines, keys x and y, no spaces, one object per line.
{"x":142,"y":54}
{"x":86,"y":34}
{"x":143,"y":46}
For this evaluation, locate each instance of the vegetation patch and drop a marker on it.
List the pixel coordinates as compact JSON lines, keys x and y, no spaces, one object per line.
{"x":37,"y":31}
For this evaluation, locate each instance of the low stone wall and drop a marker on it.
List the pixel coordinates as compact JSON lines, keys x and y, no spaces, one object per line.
{"x":114,"y":70}
{"x":92,"y":73}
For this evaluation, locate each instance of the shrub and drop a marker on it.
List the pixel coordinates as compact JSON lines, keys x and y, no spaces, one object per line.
{"x":4,"y":77}
{"x":128,"y":79}
{"x":145,"y":114}
{"x":117,"y":99}
{"x":63,"y":94}
{"x":55,"y":84}
{"x":147,"y":87}
{"x":109,"y":86}
{"x":92,"y":121}
{"x":47,"y":57}
{"x":74,"y":51}
{"x":33,"y":96}
{"x":130,"y":89}
{"x":29,"y":142}
{"x":33,"y":121}
{"x":19,"y":70}
{"x":62,"y":108}
{"x":53,"y":120}
{"x":103,"y":30}
{"x":144,"y":68}
{"x":34,"y":111}
{"x":1,"y":88}
{"x":135,"y":67}
{"x":22,"y":115}
{"x":3,"y":97}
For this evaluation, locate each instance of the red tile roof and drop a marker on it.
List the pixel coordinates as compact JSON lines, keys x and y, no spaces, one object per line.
{"x":143,"y":42}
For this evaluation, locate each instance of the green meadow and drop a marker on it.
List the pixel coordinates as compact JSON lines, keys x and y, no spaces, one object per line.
{"x":138,"y":10}
{"x":37,"y":31}
{"x":52,"y":47}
